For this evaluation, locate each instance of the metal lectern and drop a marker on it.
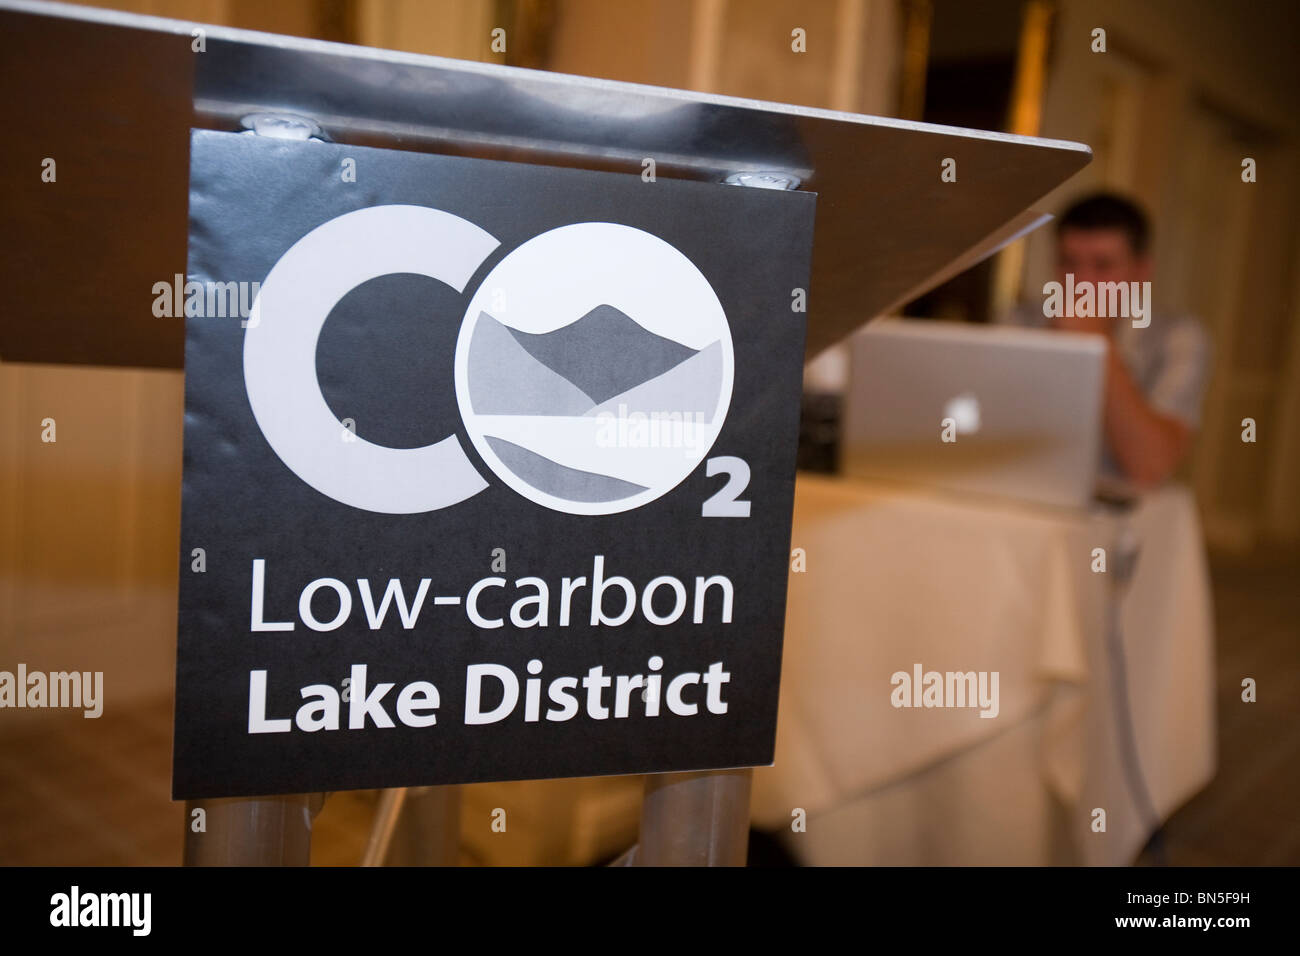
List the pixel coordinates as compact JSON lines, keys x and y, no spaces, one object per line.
{"x":122,"y":92}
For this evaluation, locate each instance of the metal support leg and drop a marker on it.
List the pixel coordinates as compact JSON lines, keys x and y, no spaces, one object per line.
{"x":387,"y":815}
{"x":428,"y":829}
{"x":251,"y":831}
{"x":695,"y":819}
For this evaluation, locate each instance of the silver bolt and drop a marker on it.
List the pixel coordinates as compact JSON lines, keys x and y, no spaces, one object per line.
{"x":281,"y":126}
{"x":763,"y":180}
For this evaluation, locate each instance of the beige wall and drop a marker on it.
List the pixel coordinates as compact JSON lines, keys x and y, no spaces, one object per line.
{"x":454,"y":28}
{"x":89,"y":524}
{"x":740,"y":48}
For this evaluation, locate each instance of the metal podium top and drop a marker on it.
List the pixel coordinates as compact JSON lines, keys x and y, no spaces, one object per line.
{"x":111,"y":97}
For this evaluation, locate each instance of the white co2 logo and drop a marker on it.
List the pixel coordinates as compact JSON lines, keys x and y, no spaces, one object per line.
{"x":594,"y":366}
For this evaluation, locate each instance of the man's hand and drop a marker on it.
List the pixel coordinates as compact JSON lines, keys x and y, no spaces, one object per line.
{"x":1149,"y":445}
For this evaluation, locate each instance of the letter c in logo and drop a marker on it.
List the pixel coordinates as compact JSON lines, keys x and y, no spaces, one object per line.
{"x":284,"y":326}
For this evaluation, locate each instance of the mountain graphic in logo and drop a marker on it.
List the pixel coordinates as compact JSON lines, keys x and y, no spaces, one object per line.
{"x":602,"y":360}
{"x":605,"y":352}
{"x":542,"y":398}
{"x":607,"y":379}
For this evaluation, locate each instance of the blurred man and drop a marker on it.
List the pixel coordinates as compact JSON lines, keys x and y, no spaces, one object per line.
{"x":1155,"y":372}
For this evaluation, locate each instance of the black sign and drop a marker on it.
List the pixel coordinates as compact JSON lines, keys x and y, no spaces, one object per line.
{"x":488,"y":469}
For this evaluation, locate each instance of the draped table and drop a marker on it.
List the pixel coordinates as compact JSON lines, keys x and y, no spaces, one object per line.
{"x":897,"y":577}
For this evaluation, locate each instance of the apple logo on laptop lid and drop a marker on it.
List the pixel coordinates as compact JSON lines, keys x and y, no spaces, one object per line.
{"x":964,"y":410}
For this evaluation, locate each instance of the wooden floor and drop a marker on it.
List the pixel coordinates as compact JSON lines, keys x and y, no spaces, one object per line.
{"x":96,"y":792}
{"x":1250,"y":813}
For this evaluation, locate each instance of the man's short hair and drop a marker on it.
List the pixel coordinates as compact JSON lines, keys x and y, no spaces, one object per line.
{"x":1108,"y":211}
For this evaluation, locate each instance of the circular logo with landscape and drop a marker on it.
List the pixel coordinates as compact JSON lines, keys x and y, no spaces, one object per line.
{"x":594,"y":368}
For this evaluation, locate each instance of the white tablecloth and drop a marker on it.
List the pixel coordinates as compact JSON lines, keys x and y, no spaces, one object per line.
{"x":897,"y":577}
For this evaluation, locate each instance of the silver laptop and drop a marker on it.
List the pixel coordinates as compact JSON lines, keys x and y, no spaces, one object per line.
{"x":985,"y":409}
